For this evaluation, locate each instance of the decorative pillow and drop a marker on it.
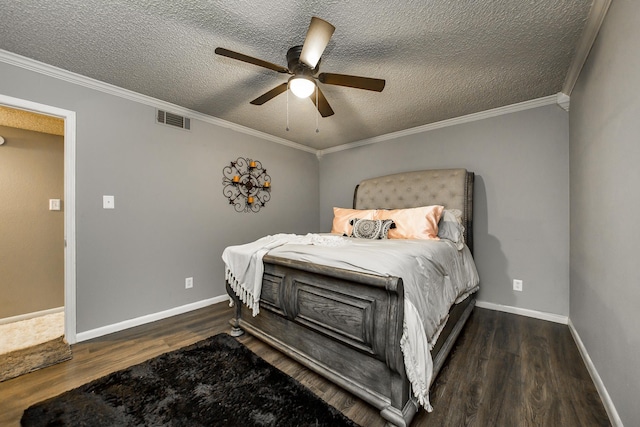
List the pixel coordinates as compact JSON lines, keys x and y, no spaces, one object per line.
{"x":450,"y":227}
{"x":342,"y":216}
{"x":413,"y":223}
{"x":371,"y":228}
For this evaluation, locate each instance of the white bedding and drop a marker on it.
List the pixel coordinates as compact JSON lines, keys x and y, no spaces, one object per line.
{"x":434,"y":272}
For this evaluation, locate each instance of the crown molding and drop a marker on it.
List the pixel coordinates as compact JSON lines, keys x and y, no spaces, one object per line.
{"x":563,"y":101}
{"x":596,"y":16}
{"x":71,"y":77}
{"x":526,"y":105}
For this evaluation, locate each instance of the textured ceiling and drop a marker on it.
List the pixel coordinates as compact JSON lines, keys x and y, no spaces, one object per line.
{"x":440,"y":58}
{"x":28,"y":120}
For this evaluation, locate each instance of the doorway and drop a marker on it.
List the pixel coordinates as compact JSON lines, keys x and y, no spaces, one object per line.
{"x":69,"y":118}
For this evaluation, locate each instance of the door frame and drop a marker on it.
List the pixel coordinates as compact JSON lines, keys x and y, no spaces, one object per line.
{"x":69,"y":118}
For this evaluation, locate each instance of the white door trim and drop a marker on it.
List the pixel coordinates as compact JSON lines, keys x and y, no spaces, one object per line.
{"x":69,"y":203}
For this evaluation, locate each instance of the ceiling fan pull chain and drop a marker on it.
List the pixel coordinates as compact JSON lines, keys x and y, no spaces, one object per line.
{"x":317,"y":110}
{"x":287,"y":128}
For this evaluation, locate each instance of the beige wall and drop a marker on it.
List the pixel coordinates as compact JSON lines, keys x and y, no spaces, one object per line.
{"x":31,"y":236}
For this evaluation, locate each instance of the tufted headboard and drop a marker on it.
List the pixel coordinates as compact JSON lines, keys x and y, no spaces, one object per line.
{"x":451,"y":188}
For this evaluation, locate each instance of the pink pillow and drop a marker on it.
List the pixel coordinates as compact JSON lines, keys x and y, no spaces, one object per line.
{"x":342,"y":216}
{"x":413,"y":223}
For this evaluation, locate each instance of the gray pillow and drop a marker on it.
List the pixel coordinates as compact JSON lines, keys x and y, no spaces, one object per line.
{"x":450,"y":227}
{"x":371,"y":228}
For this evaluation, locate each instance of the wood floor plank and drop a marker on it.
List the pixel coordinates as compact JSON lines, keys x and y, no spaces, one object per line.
{"x":579,"y":397}
{"x":505,"y":370}
{"x":537,"y":382}
{"x":470,"y":357}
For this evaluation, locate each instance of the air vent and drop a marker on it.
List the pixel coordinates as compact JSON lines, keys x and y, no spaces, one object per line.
{"x":174,"y":120}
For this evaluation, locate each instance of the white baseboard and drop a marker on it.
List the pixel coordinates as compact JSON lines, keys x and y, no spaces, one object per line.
{"x":602,"y":390}
{"x":556,"y":318}
{"x":28,"y":316}
{"x":116,"y":327}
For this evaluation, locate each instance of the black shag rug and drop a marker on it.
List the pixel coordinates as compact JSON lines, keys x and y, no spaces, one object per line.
{"x":216,"y":382}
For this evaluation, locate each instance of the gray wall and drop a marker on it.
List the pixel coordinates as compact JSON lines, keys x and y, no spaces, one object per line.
{"x":31,"y":236}
{"x":171,"y":220}
{"x":521,"y":221}
{"x":605,"y":232}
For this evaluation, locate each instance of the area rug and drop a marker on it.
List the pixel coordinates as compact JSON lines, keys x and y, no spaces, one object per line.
{"x":216,"y":382}
{"x":32,"y":344}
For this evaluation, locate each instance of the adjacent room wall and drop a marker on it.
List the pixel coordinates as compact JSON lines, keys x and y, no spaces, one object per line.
{"x":32,"y":242}
{"x":171,"y":220}
{"x":521,"y":210}
{"x":605,"y":201}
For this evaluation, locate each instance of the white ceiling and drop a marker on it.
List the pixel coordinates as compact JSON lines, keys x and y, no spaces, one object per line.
{"x":440,"y":58}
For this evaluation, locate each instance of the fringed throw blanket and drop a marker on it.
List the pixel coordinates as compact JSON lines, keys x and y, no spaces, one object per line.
{"x":244,"y":268}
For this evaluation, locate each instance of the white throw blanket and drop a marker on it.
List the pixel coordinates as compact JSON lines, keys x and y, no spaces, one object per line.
{"x":435,"y":275}
{"x":244,"y":267}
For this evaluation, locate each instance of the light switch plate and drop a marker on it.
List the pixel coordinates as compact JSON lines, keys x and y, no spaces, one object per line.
{"x":54,"y":204}
{"x":108,"y":202}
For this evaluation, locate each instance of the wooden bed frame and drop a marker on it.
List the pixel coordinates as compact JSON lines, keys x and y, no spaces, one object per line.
{"x":347,"y":325}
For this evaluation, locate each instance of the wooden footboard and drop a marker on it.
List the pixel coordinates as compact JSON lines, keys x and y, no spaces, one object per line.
{"x":345,"y":325}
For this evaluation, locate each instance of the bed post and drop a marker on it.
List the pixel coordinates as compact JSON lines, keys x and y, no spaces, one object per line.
{"x":402,"y":406}
{"x":468,"y":210}
{"x":236,"y":331}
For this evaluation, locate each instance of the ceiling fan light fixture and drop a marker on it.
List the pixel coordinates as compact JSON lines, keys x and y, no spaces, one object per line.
{"x":302,"y":86}
{"x":303,"y":65}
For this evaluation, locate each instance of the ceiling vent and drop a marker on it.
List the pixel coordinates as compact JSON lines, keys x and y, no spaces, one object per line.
{"x":174,"y":120}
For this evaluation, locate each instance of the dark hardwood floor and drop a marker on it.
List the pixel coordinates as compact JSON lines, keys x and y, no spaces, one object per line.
{"x":506,"y":370}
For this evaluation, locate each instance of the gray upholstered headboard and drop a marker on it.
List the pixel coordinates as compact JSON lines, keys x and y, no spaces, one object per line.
{"x":451,"y":188}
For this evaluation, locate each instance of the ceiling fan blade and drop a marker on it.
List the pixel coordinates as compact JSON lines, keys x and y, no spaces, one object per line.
{"x":251,"y":60}
{"x":270,"y":95}
{"x":318,"y":36}
{"x":357,"y":82}
{"x":323,"y":105}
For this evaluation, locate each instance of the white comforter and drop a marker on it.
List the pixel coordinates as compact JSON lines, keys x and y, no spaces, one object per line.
{"x":434,"y":272}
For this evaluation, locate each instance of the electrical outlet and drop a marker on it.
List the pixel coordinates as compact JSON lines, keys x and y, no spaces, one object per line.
{"x":188,"y":283}
{"x":517,"y":285}
{"x":108,"y":202}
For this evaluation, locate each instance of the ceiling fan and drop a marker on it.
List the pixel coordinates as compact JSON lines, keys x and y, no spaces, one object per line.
{"x":304,"y":64}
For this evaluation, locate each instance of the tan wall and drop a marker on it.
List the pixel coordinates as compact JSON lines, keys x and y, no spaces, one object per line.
{"x":31,"y":236}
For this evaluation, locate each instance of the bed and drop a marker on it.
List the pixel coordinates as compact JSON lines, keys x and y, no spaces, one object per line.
{"x":347,"y":323}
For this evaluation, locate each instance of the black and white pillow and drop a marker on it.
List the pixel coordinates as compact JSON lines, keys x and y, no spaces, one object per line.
{"x":371,"y":228}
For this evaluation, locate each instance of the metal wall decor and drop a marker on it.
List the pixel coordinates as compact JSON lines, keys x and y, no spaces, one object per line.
{"x":246,"y":185}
